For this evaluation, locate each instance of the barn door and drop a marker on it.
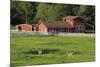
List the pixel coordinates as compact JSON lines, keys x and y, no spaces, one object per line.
{"x":19,"y":28}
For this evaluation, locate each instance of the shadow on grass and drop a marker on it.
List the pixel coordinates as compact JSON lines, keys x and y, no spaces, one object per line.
{"x":44,"y":51}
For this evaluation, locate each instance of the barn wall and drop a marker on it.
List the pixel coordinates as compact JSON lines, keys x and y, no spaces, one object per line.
{"x":42,"y":28}
{"x":79,"y":26}
{"x":26,"y":27}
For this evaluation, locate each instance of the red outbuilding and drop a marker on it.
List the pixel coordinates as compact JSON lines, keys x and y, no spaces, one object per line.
{"x":70,"y":24}
{"x":24,"y":27}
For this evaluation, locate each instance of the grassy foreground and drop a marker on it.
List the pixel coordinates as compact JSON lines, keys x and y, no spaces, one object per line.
{"x":55,"y":50}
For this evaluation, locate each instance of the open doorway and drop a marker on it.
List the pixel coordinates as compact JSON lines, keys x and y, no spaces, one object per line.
{"x":19,"y":28}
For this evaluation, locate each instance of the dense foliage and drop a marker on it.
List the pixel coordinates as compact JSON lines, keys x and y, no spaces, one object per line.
{"x":32,"y":12}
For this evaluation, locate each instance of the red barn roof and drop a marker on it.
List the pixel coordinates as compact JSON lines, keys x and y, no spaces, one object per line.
{"x":56,"y":24}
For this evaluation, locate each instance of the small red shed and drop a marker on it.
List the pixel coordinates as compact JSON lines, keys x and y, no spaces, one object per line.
{"x":24,"y":27}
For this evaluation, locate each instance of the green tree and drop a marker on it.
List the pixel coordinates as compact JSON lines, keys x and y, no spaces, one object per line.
{"x":88,"y":12}
{"x":32,"y":12}
{"x":20,"y":12}
{"x":50,"y":12}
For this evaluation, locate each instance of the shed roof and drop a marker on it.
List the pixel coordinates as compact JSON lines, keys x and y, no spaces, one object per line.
{"x":23,"y":24}
{"x":57,"y":24}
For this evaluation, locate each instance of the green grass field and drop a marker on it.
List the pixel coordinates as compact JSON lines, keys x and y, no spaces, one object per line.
{"x":55,"y":50}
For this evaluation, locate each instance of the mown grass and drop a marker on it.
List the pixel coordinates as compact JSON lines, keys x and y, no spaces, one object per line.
{"x":55,"y":50}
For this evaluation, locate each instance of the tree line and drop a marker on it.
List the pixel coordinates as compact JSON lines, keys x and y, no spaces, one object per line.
{"x":32,"y":12}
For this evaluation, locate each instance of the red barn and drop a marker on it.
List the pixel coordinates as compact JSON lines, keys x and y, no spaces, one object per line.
{"x":70,"y":24}
{"x":24,"y":27}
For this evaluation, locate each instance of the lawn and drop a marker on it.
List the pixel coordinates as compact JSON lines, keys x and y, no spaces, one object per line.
{"x":56,"y":49}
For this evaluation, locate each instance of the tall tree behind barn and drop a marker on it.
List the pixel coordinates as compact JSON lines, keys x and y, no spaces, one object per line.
{"x":48,"y":12}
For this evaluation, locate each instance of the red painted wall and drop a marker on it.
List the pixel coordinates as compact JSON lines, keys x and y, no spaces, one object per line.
{"x":25,"y":27}
{"x":79,"y":25}
{"x":42,"y":28}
